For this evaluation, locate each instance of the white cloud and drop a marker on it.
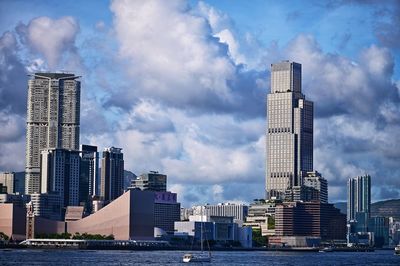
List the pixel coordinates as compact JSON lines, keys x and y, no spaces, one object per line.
{"x":52,"y":38}
{"x":171,"y":53}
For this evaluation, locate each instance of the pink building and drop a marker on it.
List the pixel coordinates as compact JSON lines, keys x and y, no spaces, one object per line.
{"x":131,"y":216}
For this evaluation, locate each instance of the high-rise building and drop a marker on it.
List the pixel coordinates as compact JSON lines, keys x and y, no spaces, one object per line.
{"x":166,"y":210}
{"x":318,"y":185}
{"x":60,"y":174}
{"x":53,"y":112}
{"x":8,"y":180}
{"x":289,"y":131}
{"x":112,"y":174}
{"x":89,"y":180}
{"x":358,"y":196}
{"x":150,"y":181}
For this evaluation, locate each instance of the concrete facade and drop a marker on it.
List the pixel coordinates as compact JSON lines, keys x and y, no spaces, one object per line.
{"x":53,"y":114}
{"x":131,"y":216}
{"x":12,"y":221}
{"x":289,"y":131}
{"x":8,"y":180}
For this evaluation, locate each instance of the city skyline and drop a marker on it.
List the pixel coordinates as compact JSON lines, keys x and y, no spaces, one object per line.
{"x":181,"y":86}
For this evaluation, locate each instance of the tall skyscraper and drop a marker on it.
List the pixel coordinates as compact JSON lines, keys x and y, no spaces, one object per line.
{"x":112,"y":174}
{"x":89,"y":179}
{"x":60,"y":174}
{"x":358,"y":197}
{"x":53,"y":112}
{"x":289,"y":131}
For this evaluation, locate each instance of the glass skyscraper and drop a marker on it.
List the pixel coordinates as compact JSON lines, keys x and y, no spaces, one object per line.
{"x":289,"y":132}
{"x":358,"y":197}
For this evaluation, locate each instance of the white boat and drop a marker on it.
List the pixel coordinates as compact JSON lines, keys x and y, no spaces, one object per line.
{"x":201,"y":256}
{"x":397,"y":250}
{"x":193,"y":257}
{"x":326,"y":249}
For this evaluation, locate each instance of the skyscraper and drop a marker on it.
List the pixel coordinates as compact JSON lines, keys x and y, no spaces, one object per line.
{"x":289,"y":131}
{"x":60,"y":174}
{"x":358,"y":197}
{"x":89,"y":179}
{"x":112,"y":174}
{"x":53,"y":112}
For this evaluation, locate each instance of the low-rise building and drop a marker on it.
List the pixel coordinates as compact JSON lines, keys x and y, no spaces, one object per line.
{"x":311,"y":219}
{"x":216,"y":228}
{"x":261,"y":216}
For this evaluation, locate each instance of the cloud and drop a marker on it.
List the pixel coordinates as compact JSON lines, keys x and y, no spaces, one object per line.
{"x":52,"y":38}
{"x":388,"y":30}
{"x":341,"y":86}
{"x":171,"y":55}
{"x":13,"y":77}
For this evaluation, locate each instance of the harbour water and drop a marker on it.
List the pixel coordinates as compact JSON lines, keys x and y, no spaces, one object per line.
{"x":113,"y":257}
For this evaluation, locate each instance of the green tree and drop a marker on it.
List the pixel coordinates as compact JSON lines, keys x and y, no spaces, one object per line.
{"x":3,"y":236}
{"x":258,"y":239}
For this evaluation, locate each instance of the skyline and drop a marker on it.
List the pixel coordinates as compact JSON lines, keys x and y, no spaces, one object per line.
{"x":177,"y":65}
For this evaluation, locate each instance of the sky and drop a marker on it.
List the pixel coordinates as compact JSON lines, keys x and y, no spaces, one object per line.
{"x":181,"y":85}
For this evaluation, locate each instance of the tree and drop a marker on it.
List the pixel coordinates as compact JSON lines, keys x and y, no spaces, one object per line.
{"x":3,"y":236}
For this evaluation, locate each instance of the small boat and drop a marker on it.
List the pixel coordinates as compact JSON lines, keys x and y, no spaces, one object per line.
{"x":202,"y":256}
{"x":397,"y":250}
{"x":189,"y":257}
{"x":326,"y":249}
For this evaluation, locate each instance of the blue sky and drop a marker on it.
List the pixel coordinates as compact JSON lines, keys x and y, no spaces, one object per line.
{"x":181,"y":85}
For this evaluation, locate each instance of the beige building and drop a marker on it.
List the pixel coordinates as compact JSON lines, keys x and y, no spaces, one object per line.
{"x":8,"y":180}
{"x":53,"y":114}
{"x":289,"y":131}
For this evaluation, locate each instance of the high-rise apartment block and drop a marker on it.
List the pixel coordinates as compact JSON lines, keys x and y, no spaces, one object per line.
{"x":89,"y":180}
{"x":289,"y":131}
{"x":150,"y":181}
{"x":53,"y":111}
{"x":358,"y":196}
{"x":8,"y":180}
{"x":112,"y":174}
{"x":60,"y":174}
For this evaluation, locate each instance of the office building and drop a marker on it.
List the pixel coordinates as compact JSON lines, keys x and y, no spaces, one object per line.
{"x":318,"y":185}
{"x":289,"y":131}
{"x":358,"y":196}
{"x":53,"y":112}
{"x":237,"y":211}
{"x":313,"y":219}
{"x":151,"y":181}
{"x":112,"y":174}
{"x":8,"y":180}
{"x":60,"y":174}
{"x":47,"y":205}
{"x":19,"y":182}
{"x":215,"y":228}
{"x":89,"y":179}
{"x":380,"y":227}
{"x":166,"y":210}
